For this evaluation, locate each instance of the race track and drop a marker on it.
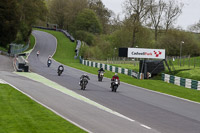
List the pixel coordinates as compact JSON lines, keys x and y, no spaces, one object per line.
{"x":152,"y":112}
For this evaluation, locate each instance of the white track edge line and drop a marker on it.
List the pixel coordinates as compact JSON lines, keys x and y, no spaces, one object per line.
{"x":145,"y":126}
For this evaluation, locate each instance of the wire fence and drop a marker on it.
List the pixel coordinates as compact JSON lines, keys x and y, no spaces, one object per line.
{"x":18,"y":48}
{"x":184,"y":61}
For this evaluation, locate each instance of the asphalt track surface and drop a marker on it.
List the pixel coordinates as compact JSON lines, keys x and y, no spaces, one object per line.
{"x":159,"y":112}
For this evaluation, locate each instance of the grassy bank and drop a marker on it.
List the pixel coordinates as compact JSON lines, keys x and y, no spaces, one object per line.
{"x":65,"y":54}
{"x":32,"y":42}
{"x":20,"y":114}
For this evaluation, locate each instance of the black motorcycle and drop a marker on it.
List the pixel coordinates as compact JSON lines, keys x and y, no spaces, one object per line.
{"x":49,"y":62}
{"x":60,"y":70}
{"x":83,"y":83}
{"x":100,"y":76}
{"x":115,"y":85}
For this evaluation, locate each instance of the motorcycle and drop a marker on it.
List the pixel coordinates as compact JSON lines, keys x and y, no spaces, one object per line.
{"x":49,"y":63}
{"x":60,"y":70}
{"x":115,"y":85}
{"x":100,"y":76}
{"x":83,"y":83}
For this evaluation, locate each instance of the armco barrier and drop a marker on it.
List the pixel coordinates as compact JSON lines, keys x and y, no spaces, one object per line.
{"x":187,"y":83}
{"x":109,"y":68}
{"x":71,"y":38}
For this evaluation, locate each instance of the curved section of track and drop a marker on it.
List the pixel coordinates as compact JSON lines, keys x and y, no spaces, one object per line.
{"x":162,"y":113}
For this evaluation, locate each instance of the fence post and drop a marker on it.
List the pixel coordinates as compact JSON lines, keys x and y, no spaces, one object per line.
{"x":189,"y":62}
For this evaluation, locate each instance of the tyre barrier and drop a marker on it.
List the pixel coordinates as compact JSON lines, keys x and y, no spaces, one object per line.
{"x":21,"y":64}
{"x":110,"y":68}
{"x":187,"y":83}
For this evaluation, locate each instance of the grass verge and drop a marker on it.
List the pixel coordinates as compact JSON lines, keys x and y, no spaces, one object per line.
{"x":20,"y":114}
{"x":65,"y":54}
{"x":32,"y":42}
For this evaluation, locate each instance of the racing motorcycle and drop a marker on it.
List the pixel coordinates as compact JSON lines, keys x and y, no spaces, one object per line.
{"x":49,"y":62}
{"x":100,"y":76}
{"x":83,"y":83}
{"x":60,"y":70}
{"x":115,"y":85}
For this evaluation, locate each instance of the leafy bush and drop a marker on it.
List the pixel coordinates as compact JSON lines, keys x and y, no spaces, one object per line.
{"x":88,"y":21}
{"x":85,"y":36}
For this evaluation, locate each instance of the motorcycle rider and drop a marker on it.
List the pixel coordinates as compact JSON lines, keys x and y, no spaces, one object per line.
{"x":60,"y":68}
{"x":113,"y":79}
{"x":99,"y":71}
{"x":82,"y":77}
{"x":38,"y":53}
{"x":49,"y":61}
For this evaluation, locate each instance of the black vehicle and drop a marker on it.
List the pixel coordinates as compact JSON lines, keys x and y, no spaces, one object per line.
{"x":83,"y":83}
{"x":60,"y":70}
{"x":115,"y":84}
{"x":100,"y":75}
{"x":49,"y":61}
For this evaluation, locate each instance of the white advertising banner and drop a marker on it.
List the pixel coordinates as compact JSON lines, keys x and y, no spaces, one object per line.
{"x":146,"y":53}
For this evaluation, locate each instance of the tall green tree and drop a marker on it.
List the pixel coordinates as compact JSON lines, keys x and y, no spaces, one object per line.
{"x":30,"y":12}
{"x":9,"y":16}
{"x":102,"y":12}
{"x":88,"y":21}
{"x":17,"y":18}
{"x":64,"y":12}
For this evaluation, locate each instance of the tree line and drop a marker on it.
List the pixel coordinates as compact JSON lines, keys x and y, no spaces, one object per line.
{"x":146,"y":24}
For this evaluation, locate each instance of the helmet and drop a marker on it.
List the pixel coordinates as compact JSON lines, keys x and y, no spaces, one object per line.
{"x":85,"y":74}
{"x":115,"y":74}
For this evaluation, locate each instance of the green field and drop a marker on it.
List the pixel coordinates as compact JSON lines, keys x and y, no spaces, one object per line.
{"x":20,"y":114}
{"x":65,"y":54}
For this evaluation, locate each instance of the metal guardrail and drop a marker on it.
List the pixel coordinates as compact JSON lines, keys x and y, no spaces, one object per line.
{"x":71,"y":38}
{"x":18,"y":48}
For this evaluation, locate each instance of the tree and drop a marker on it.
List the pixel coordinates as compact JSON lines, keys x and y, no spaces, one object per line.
{"x":17,"y":18}
{"x":156,"y":14}
{"x":30,"y":12}
{"x":137,"y":12}
{"x":9,"y":16}
{"x":88,"y":21}
{"x":64,"y":12}
{"x":172,"y":12}
{"x":58,"y":11}
{"x":102,"y":12}
{"x":195,"y":27}
{"x":172,"y":39}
